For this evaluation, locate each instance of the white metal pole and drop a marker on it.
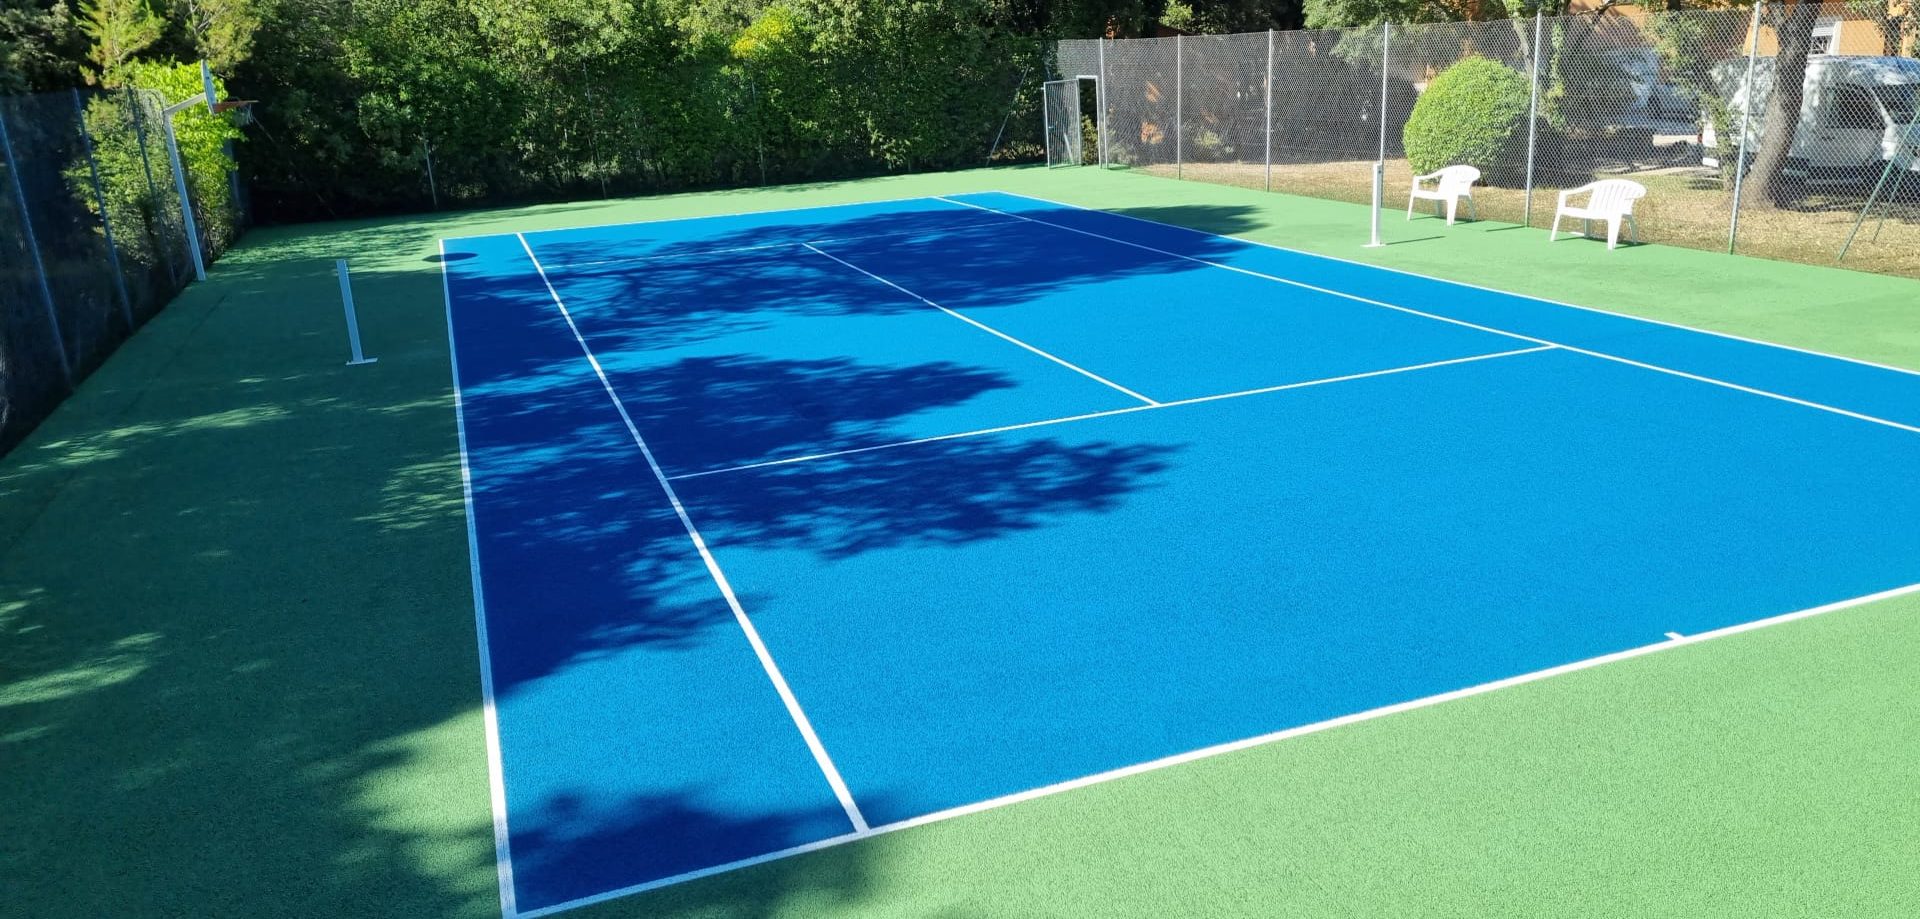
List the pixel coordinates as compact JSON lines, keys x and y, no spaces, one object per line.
{"x":1179,"y":116}
{"x":1533,"y":110}
{"x":353,"y":321}
{"x":1379,"y":192}
{"x":1746,"y":112}
{"x":1269,"y":153}
{"x":1100,"y":99}
{"x":186,"y":203}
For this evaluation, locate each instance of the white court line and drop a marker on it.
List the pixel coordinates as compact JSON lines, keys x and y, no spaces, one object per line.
{"x":786,"y":244}
{"x":1676,"y":636}
{"x":652,"y":220}
{"x":989,"y":329}
{"x":1229,"y":747}
{"x":1467,"y":284}
{"x":1821,"y":406}
{"x":1109,"y":413}
{"x":496,"y":774}
{"x":800,"y":720}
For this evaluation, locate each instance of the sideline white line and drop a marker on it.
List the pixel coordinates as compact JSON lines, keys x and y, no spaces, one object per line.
{"x":496,"y":774}
{"x":1197,"y":400}
{"x":988,"y":329}
{"x":1821,"y":406}
{"x":800,"y":720}
{"x":1676,"y":636}
{"x":1468,"y":284}
{"x":1231,"y":747}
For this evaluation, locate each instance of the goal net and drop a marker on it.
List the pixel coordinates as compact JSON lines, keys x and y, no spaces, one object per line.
{"x":1062,"y":106}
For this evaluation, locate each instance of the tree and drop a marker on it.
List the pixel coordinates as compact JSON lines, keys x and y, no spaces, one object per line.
{"x":40,"y":45}
{"x":120,"y":29}
{"x":222,"y":30}
{"x":1793,"y":24}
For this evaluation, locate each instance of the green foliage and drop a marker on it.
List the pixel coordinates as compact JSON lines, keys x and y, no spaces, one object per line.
{"x":1475,"y":113}
{"x":204,"y":140}
{"x":119,"y":30}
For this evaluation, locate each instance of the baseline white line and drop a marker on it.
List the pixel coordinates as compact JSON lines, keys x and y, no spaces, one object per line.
{"x":651,"y":220}
{"x":800,"y":720}
{"x":1459,"y":322}
{"x":734,"y":250}
{"x":988,"y":329}
{"x":1236,"y":746}
{"x":1197,"y":400}
{"x":1468,"y":284}
{"x":496,"y":774}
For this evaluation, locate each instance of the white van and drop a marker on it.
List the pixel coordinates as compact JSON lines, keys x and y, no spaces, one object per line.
{"x":1859,"y":113}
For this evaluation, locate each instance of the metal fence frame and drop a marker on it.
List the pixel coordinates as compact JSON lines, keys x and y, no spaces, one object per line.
{"x":1573,"y":68}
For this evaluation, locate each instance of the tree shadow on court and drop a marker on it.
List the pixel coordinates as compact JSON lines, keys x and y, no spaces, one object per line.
{"x":747,"y":280}
{"x":561,"y":487}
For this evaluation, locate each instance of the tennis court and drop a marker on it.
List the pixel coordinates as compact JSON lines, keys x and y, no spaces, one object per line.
{"x":795,"y":527}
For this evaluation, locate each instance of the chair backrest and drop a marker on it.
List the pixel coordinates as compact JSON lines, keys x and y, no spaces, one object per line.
{"x":1458,"y":178}
{"x":1615,"y":196}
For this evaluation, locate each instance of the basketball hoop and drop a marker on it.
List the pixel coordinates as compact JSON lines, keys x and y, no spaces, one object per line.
{"x":243,"y":106}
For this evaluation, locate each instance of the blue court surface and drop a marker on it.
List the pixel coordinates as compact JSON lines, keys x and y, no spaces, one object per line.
{"x":794,"y":527}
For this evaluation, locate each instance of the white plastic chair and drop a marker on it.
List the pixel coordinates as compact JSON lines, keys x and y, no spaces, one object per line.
{"x":1610,"y":200}
{"x":1455,"y":183}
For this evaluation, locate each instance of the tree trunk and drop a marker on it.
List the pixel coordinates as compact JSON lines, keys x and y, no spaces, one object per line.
{"x":1793,"y":25}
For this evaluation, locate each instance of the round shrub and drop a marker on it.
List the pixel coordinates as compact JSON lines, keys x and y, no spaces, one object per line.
{"x":1474,"y":112}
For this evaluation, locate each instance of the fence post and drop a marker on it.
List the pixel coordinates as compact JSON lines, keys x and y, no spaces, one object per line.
{"x":33,"y":249}
{"x":1100,"y":99}
{"x":1746,"y":112}
{"x":1386,"y":50}
{"x":1269,"y":151}
{"x":1533,"y":109}
{"x":1179,"y":111}
{"x":100,"y":197}
{"x":153,"y":192}
{"x":433,"y":188}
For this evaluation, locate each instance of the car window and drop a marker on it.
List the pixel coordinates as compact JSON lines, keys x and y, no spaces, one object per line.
{"x":1850,"y":107}
{"x":1900,"y":100}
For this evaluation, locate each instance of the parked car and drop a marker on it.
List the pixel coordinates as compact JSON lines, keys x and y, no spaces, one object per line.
{"x":1858,"y":114}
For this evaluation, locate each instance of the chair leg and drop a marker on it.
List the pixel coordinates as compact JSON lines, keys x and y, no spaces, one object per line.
{"x":1473,"y":210}
{"x":1410,"y":201}
{"x":1553,"y":235}
{"x":1453,"y":205}
{"x":1633,"y":230}
{"x":1613,"y":232}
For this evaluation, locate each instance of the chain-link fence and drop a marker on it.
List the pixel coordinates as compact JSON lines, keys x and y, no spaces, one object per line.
{"x":1786,"y":130}
{"x":91,"y":240}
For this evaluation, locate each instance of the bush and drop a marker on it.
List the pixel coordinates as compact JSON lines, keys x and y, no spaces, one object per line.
{"x":1474,"y":112}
